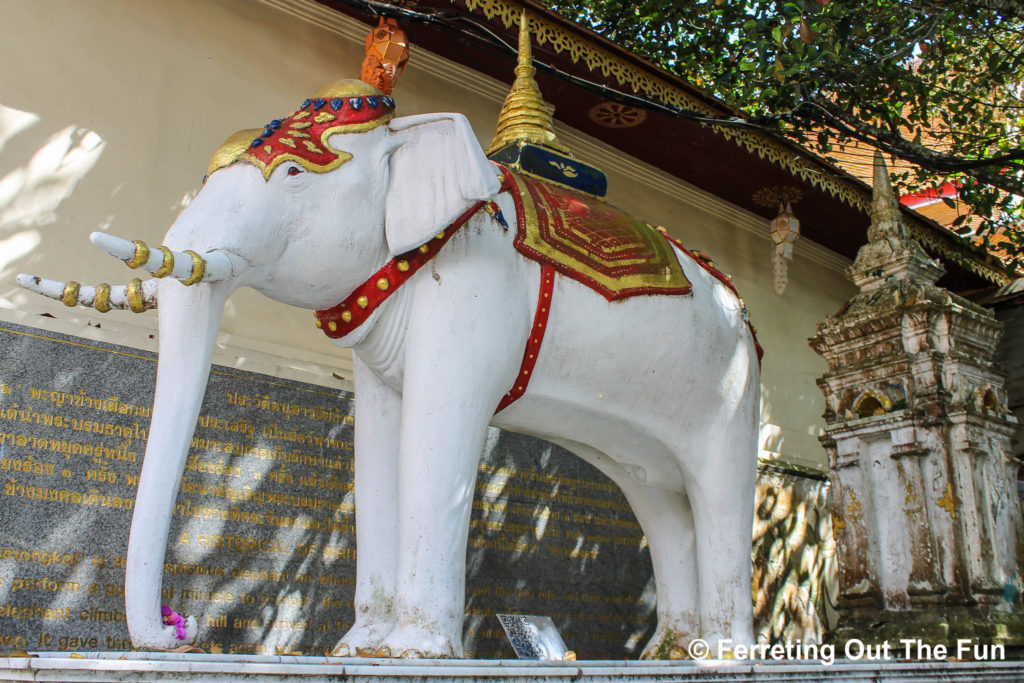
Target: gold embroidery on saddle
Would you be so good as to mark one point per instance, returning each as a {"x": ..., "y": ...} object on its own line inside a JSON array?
[{"x": 594, "y": 243}]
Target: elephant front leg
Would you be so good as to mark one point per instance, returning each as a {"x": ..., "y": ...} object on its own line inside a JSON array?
[
  {"x": 437, "y": 478},
  {"x": 378, "y": 416},
  {"x": 442, "y": 438}
]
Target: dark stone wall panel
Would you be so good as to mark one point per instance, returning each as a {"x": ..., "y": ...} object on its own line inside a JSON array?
[{"x": 262, "y": 545}]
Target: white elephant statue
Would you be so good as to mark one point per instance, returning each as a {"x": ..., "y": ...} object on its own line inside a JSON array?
[{"x": 342, "y": 202}]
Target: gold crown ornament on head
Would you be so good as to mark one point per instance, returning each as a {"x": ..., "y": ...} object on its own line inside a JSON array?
[{"x": 345, "y": 106}]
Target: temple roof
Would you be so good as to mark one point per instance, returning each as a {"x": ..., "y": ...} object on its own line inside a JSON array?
[{"x": 576, "y": 69}]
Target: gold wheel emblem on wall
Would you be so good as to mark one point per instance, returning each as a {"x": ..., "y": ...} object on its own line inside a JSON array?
[{"x": 616, "y": 115}]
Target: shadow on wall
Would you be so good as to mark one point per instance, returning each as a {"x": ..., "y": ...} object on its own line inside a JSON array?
[
  {"x": 280, "y": 550},
  {"x": 263, "y": 580},
  {"x": 32, "y": 191},
  {"x": 795, "y": 584}
]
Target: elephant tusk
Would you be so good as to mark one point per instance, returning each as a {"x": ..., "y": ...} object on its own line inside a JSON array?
[
  {"x": 136, "y": 296},
  {"x": 187, "y": 266}
]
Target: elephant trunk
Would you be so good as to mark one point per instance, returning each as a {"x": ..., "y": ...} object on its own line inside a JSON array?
[{"x": 189, "y": 321}]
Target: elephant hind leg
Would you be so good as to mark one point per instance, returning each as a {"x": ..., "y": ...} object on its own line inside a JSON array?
[
  {"x": 721, "y": 494},
  {"x": 666, "y": 520}
]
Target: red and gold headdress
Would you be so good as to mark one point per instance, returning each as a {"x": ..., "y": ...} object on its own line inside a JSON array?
[{"x": 345, "y": 106}]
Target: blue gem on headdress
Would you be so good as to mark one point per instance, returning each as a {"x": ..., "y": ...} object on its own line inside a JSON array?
[
  {"x": 306, "y": 104},
  {"x": 337, "y": 103},
  {"x": 356, "y": 103},
  {"x": 256, "y": 143},
  {"x": 319, "y": 102},
  {"x": 267, "y": 132},
  {"x": 388, "y": 102},
  {"x": 275, "y": 124},
  {"x": 372, "y": 101}
]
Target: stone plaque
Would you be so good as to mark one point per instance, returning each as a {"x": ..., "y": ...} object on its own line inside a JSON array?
[{"x": 262, "y": 546}]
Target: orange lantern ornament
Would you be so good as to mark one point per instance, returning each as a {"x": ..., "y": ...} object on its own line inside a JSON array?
[{"x": 387, "y": 51}]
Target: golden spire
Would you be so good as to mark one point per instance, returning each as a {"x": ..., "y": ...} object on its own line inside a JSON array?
[{"x": 523, "y": 116}]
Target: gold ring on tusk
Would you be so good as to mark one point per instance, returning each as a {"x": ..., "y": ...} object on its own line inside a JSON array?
[
  {"x": 135, "y": 301},
  {"x": 70, "y": 295},
  {"x": 141, "y": 255},
  {"x": 101, "y": 302},
  {"x": 168, "y": 265},
  {"x": 198, "y": 269}
]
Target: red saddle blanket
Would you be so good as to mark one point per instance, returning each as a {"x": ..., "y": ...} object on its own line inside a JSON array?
[{"x": 594, "y": 243}]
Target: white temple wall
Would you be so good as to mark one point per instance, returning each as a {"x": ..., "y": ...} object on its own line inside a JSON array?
[{"x": 110, "y": 111}]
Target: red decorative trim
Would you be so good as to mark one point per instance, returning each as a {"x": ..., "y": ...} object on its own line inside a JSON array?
[
  {"x": 359, "y": 305},
  {"x": 344, "y": 318},
  {"x": 540, "y": 325},
  {"x": 302, "y": 136}
]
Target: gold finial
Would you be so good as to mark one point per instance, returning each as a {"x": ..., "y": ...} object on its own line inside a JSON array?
[{"x": 523, "y": 116}]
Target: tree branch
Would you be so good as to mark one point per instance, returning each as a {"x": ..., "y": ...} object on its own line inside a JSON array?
[{"x": 987, "y": 171}]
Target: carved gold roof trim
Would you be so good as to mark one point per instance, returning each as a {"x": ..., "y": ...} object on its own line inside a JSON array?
[
  {"x": 596, "y": 58},
  {"x": 642, "y": 81},
  {"x": 953, "y": 250}
]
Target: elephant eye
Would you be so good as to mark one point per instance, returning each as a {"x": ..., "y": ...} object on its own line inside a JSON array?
[{"x": 294, "y": 170}]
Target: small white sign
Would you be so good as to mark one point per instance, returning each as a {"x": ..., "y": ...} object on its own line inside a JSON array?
[{"x": 535, "y": 638}]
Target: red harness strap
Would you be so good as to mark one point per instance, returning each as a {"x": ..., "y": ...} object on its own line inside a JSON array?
[
  {"x": 540, "y": 325},
  {"x": 344, "y": 318},
  {"x": 360, "y": 304}
]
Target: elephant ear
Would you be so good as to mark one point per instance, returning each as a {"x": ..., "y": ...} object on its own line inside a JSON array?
[{"x": 437, "y": 171}]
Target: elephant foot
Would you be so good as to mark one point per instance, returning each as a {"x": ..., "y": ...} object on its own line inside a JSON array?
[
  {"x": 669, "y": 643},
  {"x": 363, "y": 640},
  {"x": 408, "y": 642},
  {"x": 165, "y": 637}
]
